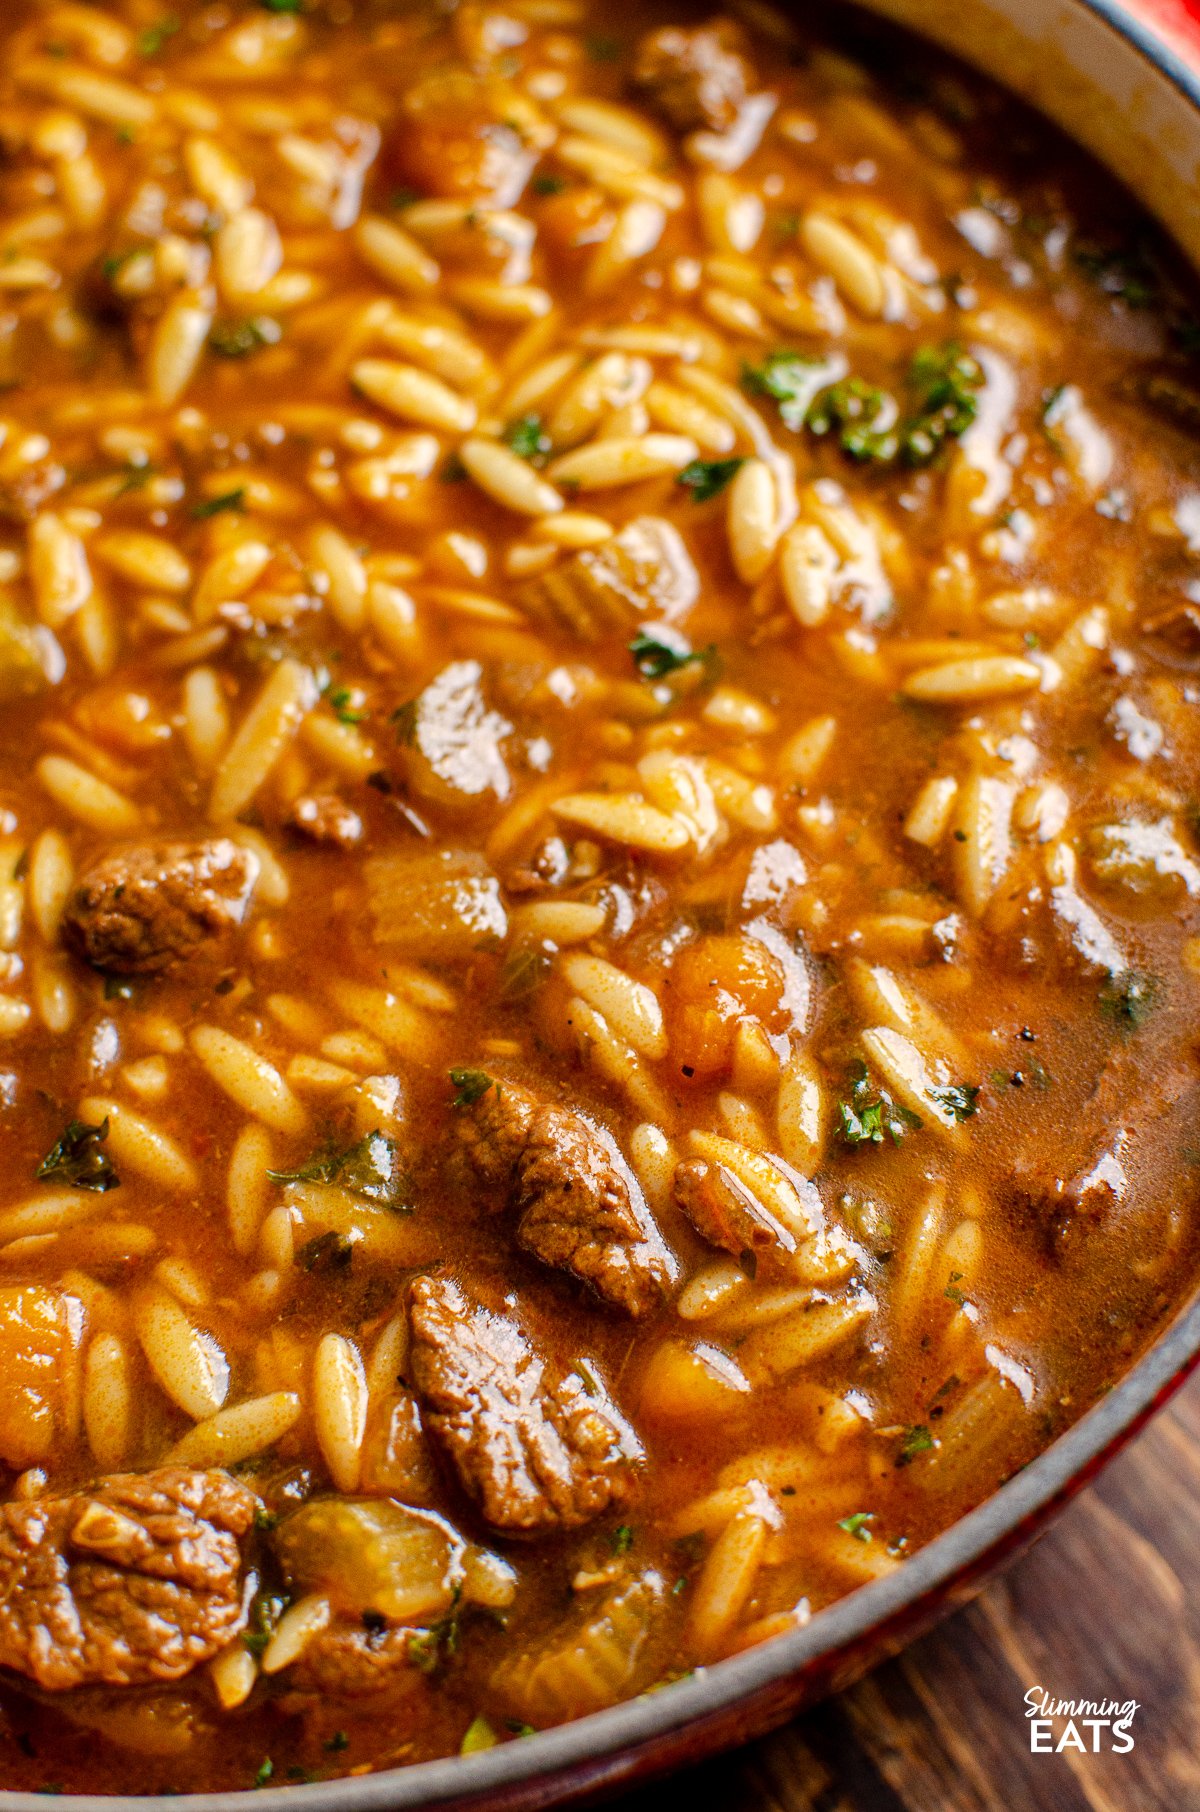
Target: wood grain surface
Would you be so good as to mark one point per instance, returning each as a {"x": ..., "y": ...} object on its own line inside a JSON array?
[{"x": 1106, "y": 1606}]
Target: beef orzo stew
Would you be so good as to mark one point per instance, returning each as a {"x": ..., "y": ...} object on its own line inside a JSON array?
[{"x": 599, "y": 641}]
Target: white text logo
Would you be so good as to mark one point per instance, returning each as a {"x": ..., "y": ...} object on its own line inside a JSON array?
[{"x": 1107, "y": 1720}]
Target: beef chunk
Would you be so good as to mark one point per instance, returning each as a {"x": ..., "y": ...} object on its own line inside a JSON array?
[
  {"x": 350, "y": 1661},
  {"x": 144, "y": 907},
  {"x": 578, "y": 1204},
  {"x": 604, "y": 591},
  {"x": 535, "y": 1445},
  {"x": 463, "y": 134},
  {"x": 137, "y": 1581},
  {"x": 723, "y": 1212},
  {"x": 493, "y": 1132},
  {"x": 1105, "y": 1154},
  {"x": 324, "y": 818},
  {"x": 697, "y": 79}
]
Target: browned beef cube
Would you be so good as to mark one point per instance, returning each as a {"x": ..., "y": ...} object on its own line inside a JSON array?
[
  {"x": 538, "y": 1446},
  {"x": 137, "y": 1581},
  {"x": 144, "y": 907}
]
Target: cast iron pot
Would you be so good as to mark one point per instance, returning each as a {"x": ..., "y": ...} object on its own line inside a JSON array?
[{"x": 1134, "y": 103}]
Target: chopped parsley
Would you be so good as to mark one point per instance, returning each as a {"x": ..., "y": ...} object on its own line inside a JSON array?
[
  {"x": 526, "y": 439},
  {"x": 622, "y": 1539},
  {"x": 952, "y": 1293},
  {"x": 871, "y": 1115},
  {"x": 518, "y": 1729},
  {"x": 265, "y": 1520},
  {"x": 452, "y": 470},
  {"x": 548, "y": 185},
  {"x": 917, "y": 1439},
  {"x": 282, "y": 6},
  {"x": 860, "y": 415},
  {"x": 945, "y": 379},
  {"x": 337, "y": 1742},
  {"x": 471, "y": 1085},
  {"x": 266, "y": 1769},
  {"x": 112, "y": 266},
  {"x": 77, "y": 1157},
  {"x": 793, "y": 379},
  {"x": 428, "y": 1648},
  {"x": 706, "y": 478},
  {"x": 868, "y": 423},
  {"x": 1129, "y": 999},
  {"x": 1123, "y": 272},
  {"x": 265, "y": 1611},
  {"x": 856, "y": 1525},
  {"x": 325, "y": 1252},
  {"x": 235, "y": 339},
  {"x": 215, "y": 506},
  {"x": 961, "y": 1100},
  {"x": 151, "y": 41},
  {"x": 370, "y": 1168},
  {"x": 659, "y": 651},
  {"x": 343, "y": 702}
]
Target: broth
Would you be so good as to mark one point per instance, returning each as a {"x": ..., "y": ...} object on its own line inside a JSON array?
[{"x": 598, "y": 852}]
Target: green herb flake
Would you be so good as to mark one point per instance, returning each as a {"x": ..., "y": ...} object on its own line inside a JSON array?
[
  {"x": 621, "y": 1539},
  {"x": 871, "y": 1115},
  {"x": 265, "y": 1611},
  {"x": 337, "y": 1742},
  {"x": 1123, "y": 272},
  {"x": 265, "y": 1770},
  {"x": 526, "y": 439},
  {"x": 1130, "y": 998},
  {"x": 427, "y": 1649},
  {"x": 370, "y": 1168},
  {"x": 345, "y": 703},
  {"x": 236, "y": 339},
  {"x": 792, "y": 379},
  {"x": 952, "y": 1293},
  {"x": 706, "y": 478},
  {"x": 861, "y": 417},
  {"x": 452, "y": 470},
  {"x": 518, "y": 1729},
  {"x": 152, "y": 40},
  {"x": 856, "y": 1525},
  {"x": 917, "y": 1439},
  {"x": 961, "y": 1100},
  {"x": 216, "y": 506},
  {"x": 471, "y": 1086},
  {"x": 548, "y": 185},
  {"x": 112, "y": 266},
  {"x": 479, "y": 1736},
  {"x": 659, "y": 651},
  {"x": 282, "y": 6},
  {"x": 265, "y": 1520},
  {"x": 945, "y": 379},
  {"x": 77, "y": 1158}
]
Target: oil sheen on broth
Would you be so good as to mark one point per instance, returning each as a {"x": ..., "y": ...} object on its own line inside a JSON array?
[{"x": 599, "y": 634}]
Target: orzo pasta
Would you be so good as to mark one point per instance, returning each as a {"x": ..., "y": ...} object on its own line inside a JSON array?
[{"x": 599, "y": 858}]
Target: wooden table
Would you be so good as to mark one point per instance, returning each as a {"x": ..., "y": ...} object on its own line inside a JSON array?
[{"x": 1106, "y": 1606}]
